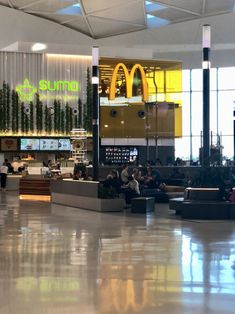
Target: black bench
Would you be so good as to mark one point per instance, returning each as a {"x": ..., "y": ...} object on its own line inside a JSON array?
[
  {"x": 203, "y": 209},
  {"x": 142, "y": 204},
  {"x": 158, "y": 195}
]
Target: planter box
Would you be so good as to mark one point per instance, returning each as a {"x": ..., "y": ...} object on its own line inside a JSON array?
[{"x": 83, "y": 195}]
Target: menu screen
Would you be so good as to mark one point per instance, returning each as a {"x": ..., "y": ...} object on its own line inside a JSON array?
[
  {"x": 64, "y": 144},
  {"x": 121, "y": 154},
  {"x": 29, "y": 144},
  {"x": 48, "y": 144}
]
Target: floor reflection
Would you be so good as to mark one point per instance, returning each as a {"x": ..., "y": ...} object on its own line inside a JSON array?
[{"x": 58, "y": 260}]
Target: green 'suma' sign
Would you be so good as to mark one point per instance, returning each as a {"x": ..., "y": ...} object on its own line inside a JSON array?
[{"x": 27, "y": 91}]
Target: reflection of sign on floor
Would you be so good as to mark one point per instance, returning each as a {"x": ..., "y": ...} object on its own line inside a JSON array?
[{"x": 8, "y": 144}]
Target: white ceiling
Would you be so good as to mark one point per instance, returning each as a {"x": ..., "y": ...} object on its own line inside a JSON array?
[{"x": 105, "y": 18}]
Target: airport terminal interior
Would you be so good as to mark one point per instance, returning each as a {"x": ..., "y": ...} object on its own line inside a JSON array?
[{"x": 117, "y": 156}]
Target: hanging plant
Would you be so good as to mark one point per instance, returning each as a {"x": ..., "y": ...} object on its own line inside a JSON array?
[
  {"x": 39, "y": 114},
  {"x": 13, "y": 111},
  {"x": 8, "y": 105},
  {"x": 1, "y": 111},
  {"x": 17, "y": 112},
  {"x": 49, "y": 119},
  {"x": 55, "y": 120},
  {"x": 46, "y": 118},
  {"x": 22, "y": 118},
  {"x": 4, "y": 100},
  {"x": 70, "y": 118},
  {"x": 88, "y": 115},
  {"x": 31, "y": 119},
  {"x": 67, "y": 118},
  {"x": 26, "y": 114},
  {"x": 62, "y": 118},
  {"x": 80, "y": 120}
]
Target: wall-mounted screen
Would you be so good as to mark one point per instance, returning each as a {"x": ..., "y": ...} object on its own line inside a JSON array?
[
  {"x": 120, "y": 154},
  {"x": 48, "y": 144},
  {"x": 64, "y": 144},
  {"x": 29, "y": 144}
]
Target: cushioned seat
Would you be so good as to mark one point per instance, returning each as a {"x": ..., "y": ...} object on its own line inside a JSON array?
[{"x": 142, "y": 204}]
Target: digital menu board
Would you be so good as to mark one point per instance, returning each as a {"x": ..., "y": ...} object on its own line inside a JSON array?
[
  {"x": 48, "y": 144},
  {"x": 123, "y": 154},
  {"x": 29, "y": 144},
  {"x": 64, "y": 144}
]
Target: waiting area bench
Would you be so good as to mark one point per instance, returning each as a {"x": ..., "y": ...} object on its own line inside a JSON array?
[
  {"x": 202, "y": 203},
  {"x": 142, "y": 204}
]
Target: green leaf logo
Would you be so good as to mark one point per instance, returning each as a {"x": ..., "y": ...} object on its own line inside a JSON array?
[{"x": 26, "y": 91}]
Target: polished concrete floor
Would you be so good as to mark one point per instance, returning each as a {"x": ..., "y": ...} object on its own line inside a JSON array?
[{"x": 61, "y": 260}]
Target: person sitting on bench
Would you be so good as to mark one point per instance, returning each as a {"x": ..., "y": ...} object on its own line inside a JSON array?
[{"x": 132, "y": 189}]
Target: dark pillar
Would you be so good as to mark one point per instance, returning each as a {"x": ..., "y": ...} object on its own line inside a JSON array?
[
  {"x": 95, "y": 112},
  {"x": 206, "y": 96}
]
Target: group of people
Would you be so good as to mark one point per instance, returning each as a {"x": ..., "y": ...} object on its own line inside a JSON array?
[
  {"x": 48, "y": 167},
  {"x": 132, "y": 182}
]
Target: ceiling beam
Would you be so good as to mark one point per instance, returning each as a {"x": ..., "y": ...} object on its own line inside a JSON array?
[
  {"x": 10, "y": 4},
  {"x": 30, "y": 4},
  {"x": 110, "y": 7},
  {"x": 71, "y": 20},
  {"x": 203, "y": 7},
  {"x": 86, "y": 20},
  {"x": 118, "y": 21},
  {"x": 40, "y": 12},
  {"x": 179, "y": 8}
]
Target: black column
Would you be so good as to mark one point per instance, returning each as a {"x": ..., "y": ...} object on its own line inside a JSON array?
[
  {"x": 233, "y": 135},
  {"x": 206, "y": 108},
  {"x": 95, "y": 122}
]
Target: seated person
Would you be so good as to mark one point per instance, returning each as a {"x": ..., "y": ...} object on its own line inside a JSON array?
[
  {"x": 124, "y": 174},
  {"x": 113, "y": 181},
  {"x": 154, "y": 180},
  {"x": 177, "y": 174},
  {"x": 8, "y": 164},
  {"x": 136, "y": 174},
  {"x": 45, "y": 171},
  {"x": 225, "y": 189},
  {"x": 132, "y": 189}
]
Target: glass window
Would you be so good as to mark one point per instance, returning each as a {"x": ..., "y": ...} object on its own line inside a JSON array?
[
  {"x": 213, "y": 112},
  {"x": 226, "y": 78},
  {"x": 197, "y": 80},
  {"x": 186, "y": 80},
  {"x": 182, "y": 147},
  {"x": 186, "y": 113},
  {"x": 196, "y": 144},
  {"x": 225, "y": 113},
  {"x": 213, "y": 79},
  {"x": 197, "y": 113}
]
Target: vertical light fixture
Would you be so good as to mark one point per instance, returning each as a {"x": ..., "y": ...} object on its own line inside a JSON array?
[
  {"x": 206, "y": 44},
  {"x": 95, "y": 111}
]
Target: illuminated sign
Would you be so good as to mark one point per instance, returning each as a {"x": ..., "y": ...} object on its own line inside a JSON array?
[
  {"x": 58, "y": 86},
  {"x": 129, "y": 81},
  {"x": 27, "y": 91}
]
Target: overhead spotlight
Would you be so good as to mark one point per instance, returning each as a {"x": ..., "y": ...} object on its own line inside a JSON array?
[
  {"x": 39, "y": 47},
  {"x": 113, "y": 113},
  {"x": 141, "y": 114}
]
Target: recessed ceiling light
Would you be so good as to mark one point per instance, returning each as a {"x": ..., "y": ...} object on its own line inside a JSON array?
[{"x": 38, "y": 47}]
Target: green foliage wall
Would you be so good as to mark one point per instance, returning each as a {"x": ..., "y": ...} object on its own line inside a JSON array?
[{"x": 35, "y": 118}]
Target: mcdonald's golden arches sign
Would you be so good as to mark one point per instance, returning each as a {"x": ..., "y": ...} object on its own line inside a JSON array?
[{"x": 129, "y": 77}]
